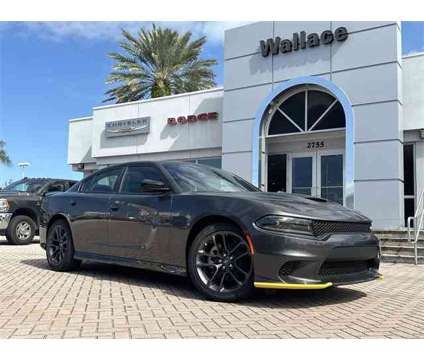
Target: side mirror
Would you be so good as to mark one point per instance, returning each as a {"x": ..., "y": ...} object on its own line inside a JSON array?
[{"x": 154, "y": 186}]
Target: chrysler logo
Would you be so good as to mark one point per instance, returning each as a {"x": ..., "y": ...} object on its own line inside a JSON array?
[{"x": 127, "y": 127}]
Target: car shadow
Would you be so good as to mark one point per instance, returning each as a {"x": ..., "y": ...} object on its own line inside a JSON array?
[
  {"x": 4, "y": 242},
  {"x": 181, "y": 286}
]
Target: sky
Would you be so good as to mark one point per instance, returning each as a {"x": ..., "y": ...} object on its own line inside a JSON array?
[{"x": 51, "y": 72}]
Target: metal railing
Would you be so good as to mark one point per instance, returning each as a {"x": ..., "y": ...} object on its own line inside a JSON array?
[{"x": 415, "y": 230}]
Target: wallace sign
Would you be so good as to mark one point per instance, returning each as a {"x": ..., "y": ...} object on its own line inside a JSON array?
[{"x": 302, "y": 41}]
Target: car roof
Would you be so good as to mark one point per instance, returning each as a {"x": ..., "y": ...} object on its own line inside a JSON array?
[
  {"x": 144, "y": 162},
  {"x": 46, "y": 179}
]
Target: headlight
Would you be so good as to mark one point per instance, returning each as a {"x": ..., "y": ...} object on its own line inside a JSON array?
[
  {"x": 4, "y": 205},
  {"x": 285, "y": 224}
]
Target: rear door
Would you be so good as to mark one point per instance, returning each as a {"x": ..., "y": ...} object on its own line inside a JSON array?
[
  {"x": 139, "y": 220},
  {"x": 90, "y": 211}
]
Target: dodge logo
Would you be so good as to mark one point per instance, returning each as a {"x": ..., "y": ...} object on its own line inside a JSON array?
[{"x": 192, "y": 118}]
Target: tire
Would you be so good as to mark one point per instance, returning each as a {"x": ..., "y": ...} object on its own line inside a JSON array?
[
  {"x": 9, "y": 240},
  {"x": 21, "y": 230},
  {"x": 220, "y": 264},
  {"x": 60, "y": 247}
]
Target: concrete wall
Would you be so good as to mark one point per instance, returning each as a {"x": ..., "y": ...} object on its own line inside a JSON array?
[
  {"x": 367, "y": 67},
  {"x": 162, "y": 137},
  {"x": 88, "y": 144},
  {"x": 413, "y": 91},
  {"x": 80, "y": 140}
]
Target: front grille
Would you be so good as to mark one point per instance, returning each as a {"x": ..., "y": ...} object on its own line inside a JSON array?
[
  {"x": 330, "y": 268},
  {"x": 330, "y": 227}
]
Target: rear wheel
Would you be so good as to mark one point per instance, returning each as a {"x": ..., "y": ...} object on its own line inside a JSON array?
[
  {"x": 21, "y": 230},
  {"x": 220, "y": 264},
  {"x": 60, "y": 248}
]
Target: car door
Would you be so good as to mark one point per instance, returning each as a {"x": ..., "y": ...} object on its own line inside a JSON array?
[
  {"x": 139, "y": 220},
  {"x": 90, "y": 211}
]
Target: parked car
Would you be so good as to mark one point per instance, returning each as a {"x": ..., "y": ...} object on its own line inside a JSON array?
[
  {"x": 20, "y": 207},
  {"x": 228, "y": 236}
]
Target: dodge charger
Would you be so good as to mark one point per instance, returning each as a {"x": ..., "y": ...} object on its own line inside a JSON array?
[{"x": 222, "y": 232}]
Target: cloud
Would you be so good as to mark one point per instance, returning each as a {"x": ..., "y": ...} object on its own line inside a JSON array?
[{"x": 111, "y": 30}]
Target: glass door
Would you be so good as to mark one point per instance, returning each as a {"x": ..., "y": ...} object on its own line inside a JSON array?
[
  {"x": 330, "y": 175},
  {"x": 302, "y": 174},
  {"x": 317, "y": 173}
]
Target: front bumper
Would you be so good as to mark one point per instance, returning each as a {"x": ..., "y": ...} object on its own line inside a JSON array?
[
  {"x": 43, "y": 236},
  {"x": 4, "y": 221},
  {"x": 295, "y": 262}
]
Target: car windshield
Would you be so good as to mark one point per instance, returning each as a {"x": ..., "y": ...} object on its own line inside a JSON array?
[
  {"x": 198, "y": 178},
  {"x": 26, "y": 185}
]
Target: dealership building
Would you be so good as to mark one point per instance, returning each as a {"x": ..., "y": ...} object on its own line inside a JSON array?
[{"x": 328, "y": 109}]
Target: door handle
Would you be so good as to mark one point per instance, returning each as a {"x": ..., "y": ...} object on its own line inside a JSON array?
[{"x": 73, "y": 203}]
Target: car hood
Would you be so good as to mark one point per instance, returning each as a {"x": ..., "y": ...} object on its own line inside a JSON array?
[{"x": 302, "y": 206}]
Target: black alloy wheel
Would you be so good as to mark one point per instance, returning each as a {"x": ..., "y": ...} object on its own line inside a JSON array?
[
  {"x": 59, "y": 247},
  {"x": 221, "y": 264}
]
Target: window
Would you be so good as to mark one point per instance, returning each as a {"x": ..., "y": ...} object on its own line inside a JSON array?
[
  {"x": 306, "y": 110},
  {"x": 214, "y": 162},
  {"x": 27, "y": 185},
  {"x": 192, "y": 177},
  {"x": 58, "y": 186},
  {"x": 332, "y": 177},
  {"x": 409, "y": 181},
  {"x": 104, "y": 182},
  {"x": 277, "y": 172},
  {"x": 136, "y": 175},
  {"x": 70, "y": 184},
  {"x": 74, "y": 187},
  {"x": 408, "y": 169}
]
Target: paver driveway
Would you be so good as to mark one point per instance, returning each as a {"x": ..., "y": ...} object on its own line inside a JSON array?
[{"x": 103, "y": 301}]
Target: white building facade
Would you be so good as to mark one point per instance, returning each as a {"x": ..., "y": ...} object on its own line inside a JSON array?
[{"x": 328, "y": 109}]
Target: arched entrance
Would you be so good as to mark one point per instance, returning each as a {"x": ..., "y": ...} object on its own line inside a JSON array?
[{"x": 304, "y": 141}]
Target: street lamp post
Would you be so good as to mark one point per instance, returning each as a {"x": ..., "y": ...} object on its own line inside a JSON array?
[{"x": 23, "y": 165}]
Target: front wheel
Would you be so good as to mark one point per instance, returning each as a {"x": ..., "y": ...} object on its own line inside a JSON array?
[
  {"x": 220, "y": 264},
  {"x": 60, "y": 248}
]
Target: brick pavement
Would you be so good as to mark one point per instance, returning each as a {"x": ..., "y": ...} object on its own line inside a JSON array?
[{"x": 104, "y": 301}]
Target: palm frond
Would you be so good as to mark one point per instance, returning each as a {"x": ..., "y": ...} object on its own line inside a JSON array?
[
  {"x": 4, "y": 158},
  {"x": 158, "y": 62}
]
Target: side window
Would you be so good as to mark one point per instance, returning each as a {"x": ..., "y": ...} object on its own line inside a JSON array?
[
  {"x": 104, "y": 182},
  {"x": 73, "y": 187},
  {"x": 135, "y": 175},
  {"x": 57, "y": 186},
  {"x": 69, "y": 184}
]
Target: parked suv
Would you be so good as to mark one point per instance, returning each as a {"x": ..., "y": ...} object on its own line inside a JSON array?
[{"x": 20, "y": 207}]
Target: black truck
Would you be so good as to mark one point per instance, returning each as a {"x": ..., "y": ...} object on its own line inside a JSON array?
[{"x": 20, "y": 207}]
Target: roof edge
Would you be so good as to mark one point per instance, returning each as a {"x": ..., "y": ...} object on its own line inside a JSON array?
[
  {"x": 86, "y": 118},
  {"x": 215, "y": 89}
]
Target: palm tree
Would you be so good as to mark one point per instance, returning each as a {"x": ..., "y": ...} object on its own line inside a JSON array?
[
  {"x": 158, "y": 62},
  {"x": 4, "y": 158}
]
